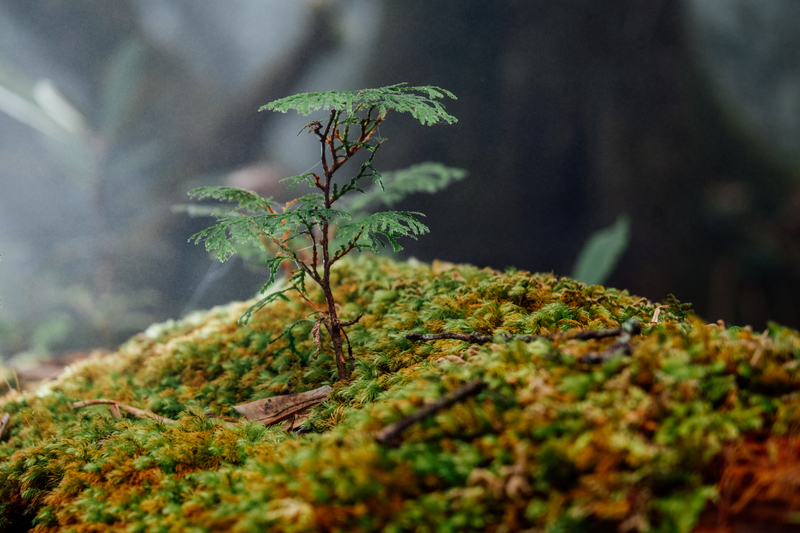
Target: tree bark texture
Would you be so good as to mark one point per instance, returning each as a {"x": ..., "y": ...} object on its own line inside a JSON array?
[{"x": 571, "y": 113}]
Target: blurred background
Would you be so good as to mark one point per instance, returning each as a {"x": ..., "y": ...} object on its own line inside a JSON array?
[{"x": 681, "y": 115}]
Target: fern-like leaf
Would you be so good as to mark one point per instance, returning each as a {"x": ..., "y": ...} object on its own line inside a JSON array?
[
  {"x": 395, "y": 186},
  {"x": 194, "y": 210},
  {"x": 217, "y": 241},
  {"x": 297, "y": 283},
  {"x": 308, "y": 177},
  {"x": 390, "y": 224},
  {"x": 420, "y": 102},
  {"x": 243, "y": 198},
  {"x": 262, "y": 303}
]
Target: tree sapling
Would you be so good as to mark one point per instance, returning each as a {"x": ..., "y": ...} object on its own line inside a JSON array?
[{"x": 307, "y": 231}]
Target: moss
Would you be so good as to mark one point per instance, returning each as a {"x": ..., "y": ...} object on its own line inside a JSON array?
[{"x": 637, "y": 442}]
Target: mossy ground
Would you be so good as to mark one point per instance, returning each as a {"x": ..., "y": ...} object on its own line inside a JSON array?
[{"x": 638, "y": 443}]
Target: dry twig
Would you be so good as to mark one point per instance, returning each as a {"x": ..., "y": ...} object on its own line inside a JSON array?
[
  {"x": 4, "y": 423},
  {"x": 479, "y": 338},
  {"x": 621, "y": 345},
  {"x": 127, "y": 408},
  {"x": 390, "y": 433}
]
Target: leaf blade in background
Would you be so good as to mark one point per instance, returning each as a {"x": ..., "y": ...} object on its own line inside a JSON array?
[
  {"x": 121, "y": 82},
  {"x": 599, "y": 256},
  {"x": 59, "y": 109}
]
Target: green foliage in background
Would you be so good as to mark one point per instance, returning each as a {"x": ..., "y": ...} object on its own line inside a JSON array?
[
  {"x": 69, "y": 305},
  {"x": 310, "y": 234},
  {"x": 601, "y": 252},
  {"x": 549, "y": 445}
]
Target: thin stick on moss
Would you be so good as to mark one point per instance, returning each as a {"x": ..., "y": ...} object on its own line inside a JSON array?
[
  {"x": 127, "y": 408},
  {"x": 479, "y": 338},
  {"x": 4, "y": 423},
  {"x": 621, "y": 345},
  {"x": 390, "y": 433}
]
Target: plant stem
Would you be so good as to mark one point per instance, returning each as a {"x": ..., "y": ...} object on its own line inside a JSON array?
[
  {"x": 327, "y": 138},
  {"x": 332, "y": 323}
]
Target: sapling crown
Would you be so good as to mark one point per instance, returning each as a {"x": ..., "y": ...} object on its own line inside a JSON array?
[{"x": 308, "y": 231}]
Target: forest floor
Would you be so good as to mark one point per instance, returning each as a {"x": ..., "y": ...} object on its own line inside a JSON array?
[{"x": 655, "y": 421}]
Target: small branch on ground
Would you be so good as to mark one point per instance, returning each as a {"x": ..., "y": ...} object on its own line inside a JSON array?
[
  {"x": 4, "y": 423},
  {"x": 479, "y": 338},
  {"x": 389, "y": 435},
  {"x": 127, "y": 408},
  {"x": 621, "y": 345}
]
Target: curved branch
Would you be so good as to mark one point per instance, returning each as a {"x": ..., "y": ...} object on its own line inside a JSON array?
[
  {"x": 119, "y": 405},
  {"x": 391, "y": 433},
  {"x": 307, "y": 269},
  {"x": 347, "y": 250},
  {"x": 629, "y": 328}
]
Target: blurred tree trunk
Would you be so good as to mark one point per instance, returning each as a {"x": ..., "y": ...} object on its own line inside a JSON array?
[{"x": 583, "y": 110}]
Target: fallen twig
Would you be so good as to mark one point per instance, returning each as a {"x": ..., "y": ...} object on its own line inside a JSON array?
[
  {"x": 621, "y": 345},
  {"x": 624, "y": 333},
  {"x": 4, "y": 423},
  {"x": 657, "y": 312},
  {"x": 267, "y": 410},
  {"x": 479, "y": 338},
  {"x": 127, "y": 408},
  {"x": 391, "y": 432}
]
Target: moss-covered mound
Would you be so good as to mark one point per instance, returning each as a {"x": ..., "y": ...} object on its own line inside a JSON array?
[{"x": 643, "y": 442}]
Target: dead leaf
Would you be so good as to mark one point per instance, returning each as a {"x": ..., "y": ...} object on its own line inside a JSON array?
[{"x": 278, "y": 408}]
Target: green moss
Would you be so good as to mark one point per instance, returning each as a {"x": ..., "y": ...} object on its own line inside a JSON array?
[{"x": 549, "y": 444}]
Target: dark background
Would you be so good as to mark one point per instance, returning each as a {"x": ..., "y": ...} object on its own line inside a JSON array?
[{"x": 684, "y": 115}]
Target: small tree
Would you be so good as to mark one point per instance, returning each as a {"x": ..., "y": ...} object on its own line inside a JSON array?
[{"x": 308, "y": 232}]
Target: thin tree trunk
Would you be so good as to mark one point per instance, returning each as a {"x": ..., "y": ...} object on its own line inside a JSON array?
[{"x": 335, "y": 329}]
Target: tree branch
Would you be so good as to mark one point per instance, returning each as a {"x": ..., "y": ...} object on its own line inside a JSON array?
[
  {"x": 314, "y": 257},
  {"x": 127, "y": 408},
  {"x": 632, "y": 327},
  {"x": 4, "y": 423},
  {"x": 347, "y": 250},
  {"x": 390, "y": 433},
  {"x": 332, "y": 143},
  {"x": 621, "y": 345}
]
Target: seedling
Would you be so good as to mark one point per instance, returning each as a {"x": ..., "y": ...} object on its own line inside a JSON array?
[{"x": 307, "y": 231}]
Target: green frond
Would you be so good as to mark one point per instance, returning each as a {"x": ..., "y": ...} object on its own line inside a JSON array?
[
  {"x": 313, "y": 198},
  {"x": 220, "y": 238},
  {"x": 243, "y": 198},
  {"x": 268, "y": 299},
  {"x": 232, "y": 228},
  {"x": 426, "y": 177},
  {"x": 194, "y": 210},
  {"x": 390, "y": 224},
  {"x": 423, "y": 107},
  {"x": 308, "y": 177},
  {"x": 367, "y": 170}
]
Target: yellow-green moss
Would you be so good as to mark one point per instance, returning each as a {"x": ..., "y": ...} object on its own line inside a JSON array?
[{"x": 549, "y": 444}]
